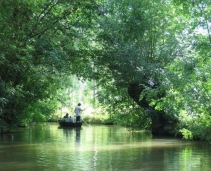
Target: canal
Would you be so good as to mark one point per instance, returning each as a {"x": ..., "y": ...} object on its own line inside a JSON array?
[{"x": 47, "y": 147}]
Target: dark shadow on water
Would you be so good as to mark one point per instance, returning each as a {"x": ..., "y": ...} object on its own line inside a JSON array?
[
  {"x": 77, "y": 135},
  {"x": 67, "y": 131}
]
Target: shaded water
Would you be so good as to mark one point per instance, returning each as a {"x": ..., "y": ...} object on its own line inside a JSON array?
[{"x": 98, "y": 148}]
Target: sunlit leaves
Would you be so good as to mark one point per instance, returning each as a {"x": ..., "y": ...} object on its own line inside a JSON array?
[{"x": 33, "y": 54}]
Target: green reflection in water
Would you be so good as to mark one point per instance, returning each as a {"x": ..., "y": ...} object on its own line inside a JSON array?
[{"x": 102, "y": 148}]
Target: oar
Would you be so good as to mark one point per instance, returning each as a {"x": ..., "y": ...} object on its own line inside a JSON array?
[
  {"x": 82, "y": 118},
  {"x": 84, "y": 121}
]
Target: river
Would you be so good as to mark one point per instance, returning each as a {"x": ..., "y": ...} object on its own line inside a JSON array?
[{"x": 46, "y": 147}]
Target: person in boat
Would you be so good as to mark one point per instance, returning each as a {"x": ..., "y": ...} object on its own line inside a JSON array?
[
  {"x": 67, "y": 115},
  {"x": 78, "y": 112},
  {"x": 70, "y": 119},
  {"x": 67, "y": 118}
]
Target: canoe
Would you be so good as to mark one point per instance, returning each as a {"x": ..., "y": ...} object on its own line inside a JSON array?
[{"x": 69, "y": 124}]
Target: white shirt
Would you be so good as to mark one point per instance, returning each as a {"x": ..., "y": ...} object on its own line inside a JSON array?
[{"x": 78, "y": 110}]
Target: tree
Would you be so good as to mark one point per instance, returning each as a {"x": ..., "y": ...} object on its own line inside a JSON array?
[
  {"x": 38, "y": 44},
  {"x": 132, "y": 51}
]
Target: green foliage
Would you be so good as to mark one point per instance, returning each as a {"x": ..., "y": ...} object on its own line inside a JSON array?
[
  {"x": 132, "y": 118},
  {"x": 33, "y": 58},
  {"x": 186, "y": 134},
  {"x": 198, "y": 126}
]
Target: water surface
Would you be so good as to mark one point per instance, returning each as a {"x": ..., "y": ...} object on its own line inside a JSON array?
[{"x": 47, "y": 147}]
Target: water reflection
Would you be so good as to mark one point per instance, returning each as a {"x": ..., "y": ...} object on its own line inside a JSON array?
[
  {"x": 98, "y": 148},
  {"x": 9, "y": 138},
  {"x": 67, "y": 132},
  {"x": 77, "y": 135}
]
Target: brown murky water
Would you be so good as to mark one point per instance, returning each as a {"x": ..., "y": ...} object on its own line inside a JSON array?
[{"x": 47, "y": 147}]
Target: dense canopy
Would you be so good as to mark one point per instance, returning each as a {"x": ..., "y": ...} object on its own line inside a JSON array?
[{"x": 148, "y": 62}]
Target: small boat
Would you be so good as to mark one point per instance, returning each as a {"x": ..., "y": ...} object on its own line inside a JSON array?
[{"x": 62, "y": 123}]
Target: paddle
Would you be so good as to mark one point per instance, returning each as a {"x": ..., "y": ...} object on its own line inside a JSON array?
[
  {"x": 82, "y": 118},
  {"x": 84, "y": 121}
]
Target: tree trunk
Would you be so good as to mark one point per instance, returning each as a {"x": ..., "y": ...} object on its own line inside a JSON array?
[{"x": 159, "y": 121}]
